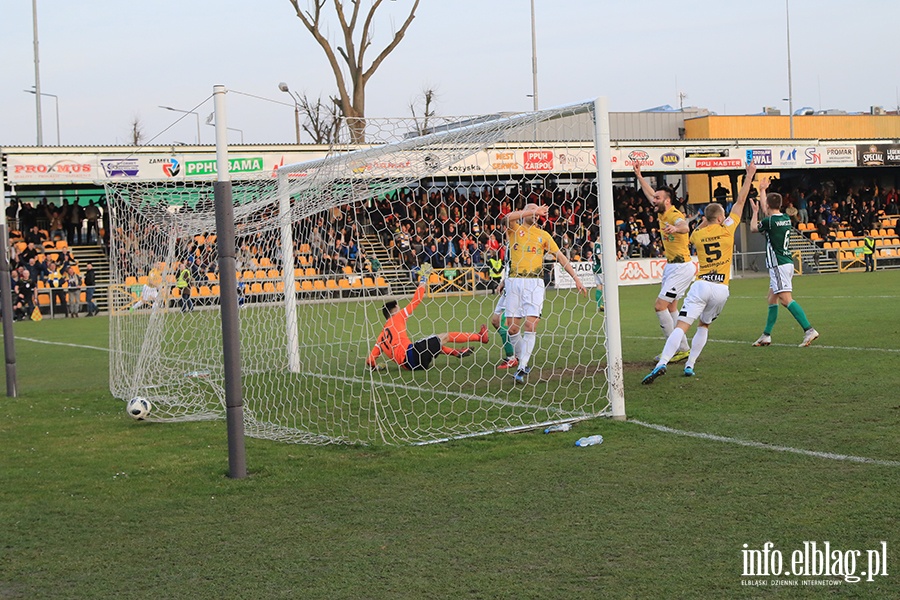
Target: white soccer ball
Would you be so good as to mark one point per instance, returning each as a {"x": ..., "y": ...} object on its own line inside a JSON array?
[{"x": 139, "y": 408}]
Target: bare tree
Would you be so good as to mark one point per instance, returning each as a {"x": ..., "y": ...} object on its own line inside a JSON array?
[
  {"x": 352, "y": 102},
  {"x": 323, "y": 119},
  {"x": 137, "y": 131},
  {"x": 428, "y": 97}
]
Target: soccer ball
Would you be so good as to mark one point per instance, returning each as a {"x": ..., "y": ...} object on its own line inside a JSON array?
[{"x": 139, "y": 408}]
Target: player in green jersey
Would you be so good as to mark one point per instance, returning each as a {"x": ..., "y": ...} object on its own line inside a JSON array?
[
  {"x": 598, "y": 274},
  {"x": 776, "y": 226}
]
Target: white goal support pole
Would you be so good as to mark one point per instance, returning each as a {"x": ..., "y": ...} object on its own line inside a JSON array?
[
  {"x": 287, "y": 274},
  {"x": 614, "y": 374},
  {"x": 231, "y": 331}
]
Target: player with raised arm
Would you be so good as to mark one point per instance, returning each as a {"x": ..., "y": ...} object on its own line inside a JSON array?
[
  {"x": 714, "y": 241},
  {"x": 394, "y": 342},
  {"x": 679, "y": 270},
  {"x": 525, "y": 285},
  {"x": 777, "y": 229}
]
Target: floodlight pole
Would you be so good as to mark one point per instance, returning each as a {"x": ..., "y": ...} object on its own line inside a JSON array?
[
  {"x": 787, "y": 14},
  {"x": 231, "y": 331},
  {"x": 534, "y": 77},
  {"x": 614, "y": 373},
  {"x": 37, "y": 76},
  {"x": 9, "y": 340}
]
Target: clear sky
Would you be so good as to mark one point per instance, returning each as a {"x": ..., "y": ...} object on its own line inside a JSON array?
[{"x": 111, "y": 61}]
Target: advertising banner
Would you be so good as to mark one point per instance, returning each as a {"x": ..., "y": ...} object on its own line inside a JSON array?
[
  {"x": 633, "y": 271},
  {"x": 53, "y": 168},
  {"x": 878, "y": 155}
]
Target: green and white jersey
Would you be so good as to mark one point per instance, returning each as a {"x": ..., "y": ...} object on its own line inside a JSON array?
[
  {"x": 598, "y": 265},
  {"x": 777, "y": 229}
]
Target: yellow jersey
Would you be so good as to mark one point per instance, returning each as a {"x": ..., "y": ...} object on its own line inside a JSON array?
[
  {"x": 527, "y": 246},
  {"x": 715, "y": 246},
  {"x": 675, "y": 244}
]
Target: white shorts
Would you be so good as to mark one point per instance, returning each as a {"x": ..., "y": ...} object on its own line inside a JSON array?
[
  {"x": 676, "y": 279},
  {"x": 501, "y": 301},
  {"x": 598, "y": 279},
  {"x": 780, "y": 278},
  {"x": 148, "y": 293},
  {"x": 704, "y": 300},
  {"x": 524, "y": 297}
]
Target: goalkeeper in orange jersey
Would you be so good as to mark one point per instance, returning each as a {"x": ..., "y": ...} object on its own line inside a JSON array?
[{"x": 394, "y": 343}]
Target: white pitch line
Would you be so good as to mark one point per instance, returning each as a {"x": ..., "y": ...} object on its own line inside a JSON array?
[
  {"x": 62, "y": 344},
  {"x": 763, "y": 297},
  {"x": 851, "y": 348},
  {"x": 764, "y": 446}
]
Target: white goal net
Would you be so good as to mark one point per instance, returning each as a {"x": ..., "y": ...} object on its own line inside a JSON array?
[{"x": 322, "y": 246}]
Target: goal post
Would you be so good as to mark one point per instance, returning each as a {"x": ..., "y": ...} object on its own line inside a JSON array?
[
  {"x": 320, "y": 248},
  {"x": 614, "y": 369}
]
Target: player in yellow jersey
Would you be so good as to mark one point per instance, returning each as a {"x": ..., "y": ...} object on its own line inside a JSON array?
[
  {"x": 525, "y": 284},
  {"x": 714, "y": 241},
  {"x": 679, "y": 270},
  {"x": 149, "y": 291}
]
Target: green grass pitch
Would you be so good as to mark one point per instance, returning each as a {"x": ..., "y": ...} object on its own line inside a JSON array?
[{"x": 791, "y": 445}]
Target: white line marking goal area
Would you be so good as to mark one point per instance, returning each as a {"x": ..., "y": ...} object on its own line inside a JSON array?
[{"x": 764, "y": 446}]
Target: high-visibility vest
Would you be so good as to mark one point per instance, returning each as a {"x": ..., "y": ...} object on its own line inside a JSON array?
[
  {"x": 869, "y": 245},
  {"x": 184, "y": 276},
  {"x": 496, "y": 268}
]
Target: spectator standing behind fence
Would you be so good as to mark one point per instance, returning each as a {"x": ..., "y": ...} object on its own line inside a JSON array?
[
  {"x": 92, "y": 214},
  {"x": 183, "y": 283},
  {"x": 73, "y": 281},
  {"x": 55, "y": 279},
  {"x": 90, "y": 283}
]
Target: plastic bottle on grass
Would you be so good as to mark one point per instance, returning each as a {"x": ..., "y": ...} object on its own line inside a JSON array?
[
  {"x": 592, "y": 440},
  {"x": 560, "y": 427}
]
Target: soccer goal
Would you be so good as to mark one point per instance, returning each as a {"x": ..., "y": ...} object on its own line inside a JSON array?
[{"x": 321, "y": 246}]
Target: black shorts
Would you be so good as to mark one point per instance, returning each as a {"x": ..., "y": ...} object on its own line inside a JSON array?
[{"x": 420, "y": 354}]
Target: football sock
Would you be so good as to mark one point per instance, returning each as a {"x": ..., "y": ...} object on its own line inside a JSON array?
[
  {"x": 598, "y": 296},
  {"x": 456, "y": 337},
  {"x": 528, "y": 338},
  {"x": 507, "y": 345},
  {"x": 672, "y": 343},
  {"x": 665, "y": 322},
  {"x": 697, "y": 344},
  {"x": 450, "y": 351},
  {"x": 684, "y": 345},
  {"x": 770, "y": 319},
  {"x": 517, "y": 343},
  {"x": 798, "y": 313}
]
